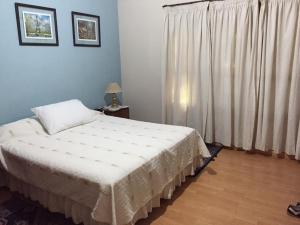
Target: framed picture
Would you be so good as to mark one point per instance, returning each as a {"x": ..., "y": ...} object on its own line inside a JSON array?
[
  {"x": 37, "y": 25},
  {"x": 86, "y": 30}
]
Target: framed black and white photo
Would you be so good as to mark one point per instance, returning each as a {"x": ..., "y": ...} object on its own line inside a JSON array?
[
  {"x": 37, "y": 25},
  {"x": 86, "y": 30}
]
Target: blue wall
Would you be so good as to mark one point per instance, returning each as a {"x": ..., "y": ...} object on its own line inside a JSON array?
[{"x": 33, "y": 76}]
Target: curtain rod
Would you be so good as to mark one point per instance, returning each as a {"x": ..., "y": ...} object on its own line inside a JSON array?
[{"x": 189, "y": 3}]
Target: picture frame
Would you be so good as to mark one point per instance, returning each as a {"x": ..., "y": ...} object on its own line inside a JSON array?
[
  {"x": 86, "y": 30},
  {"x": 37, "y": 25}
]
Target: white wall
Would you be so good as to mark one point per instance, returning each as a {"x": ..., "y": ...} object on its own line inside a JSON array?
[{"x": 141, "y": 30}]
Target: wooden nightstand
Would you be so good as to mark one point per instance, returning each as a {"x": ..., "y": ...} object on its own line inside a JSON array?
[{"x": 123, "y": 112}]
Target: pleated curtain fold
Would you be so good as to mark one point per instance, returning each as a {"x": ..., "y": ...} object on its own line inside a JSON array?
[
  {"x": 232, "y": 71},
  {"x": 234, "y": 31},
  {"x": 187, "y": 70},
  {"x": 279, "y": 78}
]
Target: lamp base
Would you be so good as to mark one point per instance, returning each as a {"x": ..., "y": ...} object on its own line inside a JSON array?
[{"x": 114, "y": 101}]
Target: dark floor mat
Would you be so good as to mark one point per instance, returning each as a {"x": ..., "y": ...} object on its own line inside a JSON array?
[{"x": 214, "y": 151}]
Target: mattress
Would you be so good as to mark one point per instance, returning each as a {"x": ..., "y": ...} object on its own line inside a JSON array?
[{"x": 113, "y": 167}]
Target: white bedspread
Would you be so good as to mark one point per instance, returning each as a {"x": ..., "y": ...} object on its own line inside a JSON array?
[{"x": 113, "y": 166}]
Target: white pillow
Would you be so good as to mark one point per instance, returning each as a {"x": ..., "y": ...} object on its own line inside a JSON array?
[{"x": 64, "y": 115}]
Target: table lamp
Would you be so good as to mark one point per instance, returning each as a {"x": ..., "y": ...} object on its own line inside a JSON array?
[{"x": 113, "y": 89}]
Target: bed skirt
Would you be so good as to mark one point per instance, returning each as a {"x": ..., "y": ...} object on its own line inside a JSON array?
[{"x": 82, "y": 214}]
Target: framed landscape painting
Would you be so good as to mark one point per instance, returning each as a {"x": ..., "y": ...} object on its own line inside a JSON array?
[
  {"x": 86, "y": 30},
  {"x": 37, "y": 25}
]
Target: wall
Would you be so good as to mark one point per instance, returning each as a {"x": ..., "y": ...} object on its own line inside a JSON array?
[
  {"x": 141, "y": 24},
  {"x": 32, "y": 76},
  {"x": 141, "y": 28}
]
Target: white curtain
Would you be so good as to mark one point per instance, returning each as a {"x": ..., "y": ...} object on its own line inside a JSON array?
[
  {"x": 234, "y": 30},
  {"x": 298, "y": 144},
  {"x": 187, "y": 68},
  {"x": 232, "y": 71},
  {"x": 278, "y": 119}
]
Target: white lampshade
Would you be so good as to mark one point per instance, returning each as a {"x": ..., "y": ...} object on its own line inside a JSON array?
[{"x": 113, "y": 88}]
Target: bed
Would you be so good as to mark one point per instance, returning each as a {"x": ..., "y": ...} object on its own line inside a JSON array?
[{"x": 109, "y": 171}]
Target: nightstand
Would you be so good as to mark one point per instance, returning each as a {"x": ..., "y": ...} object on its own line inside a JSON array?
[{"x": 123, "y": 112}]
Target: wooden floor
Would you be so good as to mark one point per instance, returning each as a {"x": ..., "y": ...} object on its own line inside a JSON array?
[{"x": 237, "y": 189}]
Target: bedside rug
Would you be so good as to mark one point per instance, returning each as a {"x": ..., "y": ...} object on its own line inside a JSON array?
[
  {"x": 20, "y": 211},
  {"x": 214, "y": 151}
]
